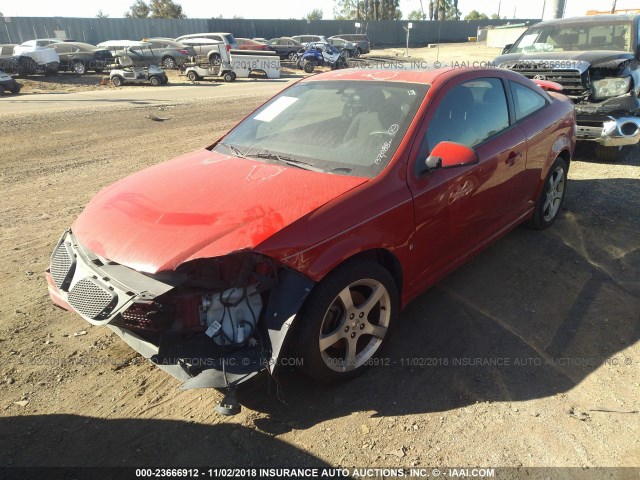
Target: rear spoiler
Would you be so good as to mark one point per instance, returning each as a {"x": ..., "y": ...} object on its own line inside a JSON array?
[{"x": 547, "y": 85}]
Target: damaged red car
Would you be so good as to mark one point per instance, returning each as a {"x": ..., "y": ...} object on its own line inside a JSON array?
[{"x": 315, "y": 220}]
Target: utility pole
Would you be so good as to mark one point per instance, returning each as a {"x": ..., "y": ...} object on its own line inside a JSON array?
[{"x": 613, "y": 7}]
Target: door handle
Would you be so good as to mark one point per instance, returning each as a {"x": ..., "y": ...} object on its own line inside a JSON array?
[{"x": 513, "y": 156}]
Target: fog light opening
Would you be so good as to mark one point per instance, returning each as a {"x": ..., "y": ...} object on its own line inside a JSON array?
[{"x": 629, "y": 129}]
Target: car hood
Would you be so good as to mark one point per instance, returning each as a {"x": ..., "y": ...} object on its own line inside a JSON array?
[
  {"x": 202, "y": 204},
  {"x": 582, "y": 60}
]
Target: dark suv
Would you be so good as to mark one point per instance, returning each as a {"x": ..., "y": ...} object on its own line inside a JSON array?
[
  {"x": 597, "y": 61},
  {"x": 360, "y": 39}
]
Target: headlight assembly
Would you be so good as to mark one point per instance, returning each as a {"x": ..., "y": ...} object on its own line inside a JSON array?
[{"x": 610, "y": 87}]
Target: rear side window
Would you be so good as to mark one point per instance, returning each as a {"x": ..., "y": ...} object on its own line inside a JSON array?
[
  {"x": 526, "y": 101},
  {"x": 230, "y": 38}
]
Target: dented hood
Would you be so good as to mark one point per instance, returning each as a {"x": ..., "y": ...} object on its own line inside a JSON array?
[{"x": 203, "y": 204}]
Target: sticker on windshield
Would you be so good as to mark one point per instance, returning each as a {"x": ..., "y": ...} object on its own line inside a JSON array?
[{"x": 275, "y": 109}]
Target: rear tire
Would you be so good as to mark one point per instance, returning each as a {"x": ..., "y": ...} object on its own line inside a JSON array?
[
  {"x": 608, "y": 154},
  {"x": 117, "y": 81},
  {"x": 345, "y": 321},
  {"x": 551, "y": 197},
  {"x": 169, "y": 62},
  {"x": 193, "y": 76},
  {"x": 79, "y": 68},
  {"x": 155, "y": 81}
]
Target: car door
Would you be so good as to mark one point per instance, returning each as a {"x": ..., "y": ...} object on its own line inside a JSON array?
[
  {"x": 457, "y": 210},
  {"x": 528, "y": 108},
  {"x": 64, "y": 53}
]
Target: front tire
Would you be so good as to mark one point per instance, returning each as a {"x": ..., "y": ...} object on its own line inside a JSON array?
[
  {"x": 550, "y": 200},
  {"x": 307, "y": 66},
  {"x": 193, "y": 76},
  {"x": 155, "y": 81},
  {"x": 117, "y": 81},
  {"x": 345, "y": 321}
]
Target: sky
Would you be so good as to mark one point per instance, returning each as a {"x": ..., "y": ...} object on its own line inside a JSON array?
[{"x": 289, "y": 8}]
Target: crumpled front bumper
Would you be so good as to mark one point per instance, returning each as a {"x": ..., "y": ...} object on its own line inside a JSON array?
[
  {"x": 100, "y": 290},
  {"x": 609, "y": 131}
]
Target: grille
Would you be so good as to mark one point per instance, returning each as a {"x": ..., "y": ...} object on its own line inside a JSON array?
[
  {"x": 571, "y": 80},
  {"x": 63, "y": 266},
  {"x": 91, "y": 299}
]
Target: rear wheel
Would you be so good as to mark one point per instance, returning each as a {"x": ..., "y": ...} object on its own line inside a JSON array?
[
  {"x": 345, "y": 321},
  {"x": 79, "y": 68},
  {"x": 608, "y": 154},
  {"x": 117, "y": 81},
  {"x": 229, "y": 77},
  {"x": 193, "y": 76},
  {"x": 551, "y": 198},
  {"x": 292, "y": 56},
  {"x": 169, "y": 62},
  {"x": 15, "y": 90},
  {"x": 155, "y": 81}
]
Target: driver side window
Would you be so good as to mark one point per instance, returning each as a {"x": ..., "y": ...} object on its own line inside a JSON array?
[{"x": 469, "y": 114}]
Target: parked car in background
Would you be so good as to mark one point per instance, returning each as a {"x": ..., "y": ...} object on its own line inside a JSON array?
[
  {"x": 350, "y": 48},
  {"x": 285, "y": 47},
  {"x": 81, "y": 57},
  {"x": 307, "y": 39},
  {"x": 8, "y": 84},
  {"x": 248, "y": 44},
  {"x": 174, "y": 54},
  {"x": 143, "y": 54},
  {"x": 222, "y": 37},
  {"x": 315, "y": 226},
  {"x": 206, "y": 49},
  {"x": 8, "y": 63},
  {"x": 34, "y": 57},
  {"x": 260, "y": 39},
  {"x": 597, "y": 61},
  {"x": 360, "y": 39}
]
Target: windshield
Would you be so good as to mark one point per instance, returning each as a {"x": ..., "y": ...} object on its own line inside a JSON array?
[
  {"x": 565, "y": 38},
  {"x": 341, "y": 127}
]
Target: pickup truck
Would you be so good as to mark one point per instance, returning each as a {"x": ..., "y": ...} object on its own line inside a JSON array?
[{"x": 597, "y": 61}]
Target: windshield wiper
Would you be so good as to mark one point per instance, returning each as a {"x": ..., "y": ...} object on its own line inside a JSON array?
[
  {"x": 287, "y": 160},
  {"x": 236, "y": 151}
]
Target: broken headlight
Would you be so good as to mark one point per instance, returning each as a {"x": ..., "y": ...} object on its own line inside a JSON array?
[{"x": 610, "y": 87}]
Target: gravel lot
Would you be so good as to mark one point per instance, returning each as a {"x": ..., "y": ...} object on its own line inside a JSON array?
[{"x": 556, "y": 313}]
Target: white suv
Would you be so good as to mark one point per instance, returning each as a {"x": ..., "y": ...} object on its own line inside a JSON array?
[{"x": 226, "y": 38}]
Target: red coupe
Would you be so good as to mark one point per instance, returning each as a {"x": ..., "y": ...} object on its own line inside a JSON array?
[{"x": 316, "y": 219}]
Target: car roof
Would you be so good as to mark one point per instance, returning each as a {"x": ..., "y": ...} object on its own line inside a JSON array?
[
  {"x": 122, "y": 43},
  {"x": 409, "y": 76},
  {"x": 590, "y": 19},
  {"x": 211, "y": 41},
  {"x": 86, "y": 46}
]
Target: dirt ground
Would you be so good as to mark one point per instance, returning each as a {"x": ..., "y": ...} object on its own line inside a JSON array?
[{"x": 527, "y": 356}]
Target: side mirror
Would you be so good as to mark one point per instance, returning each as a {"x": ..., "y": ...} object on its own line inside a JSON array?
[
  {"x": 506, "y": 48},
  {"x": 447, "y": 155}
]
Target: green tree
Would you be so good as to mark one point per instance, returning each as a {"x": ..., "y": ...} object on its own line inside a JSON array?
[
  {"x": 139, "y": 9},
  {"x": 416, "y": 15},
  {"x": 476, "y": 15},
  {"x": 101, "y": 14},
  {"x": 315, "y": 14},
  {"x": 166, "y": 9},
  {"x": 367, "y": 10},
  {"x": 495, "y": 16}
]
